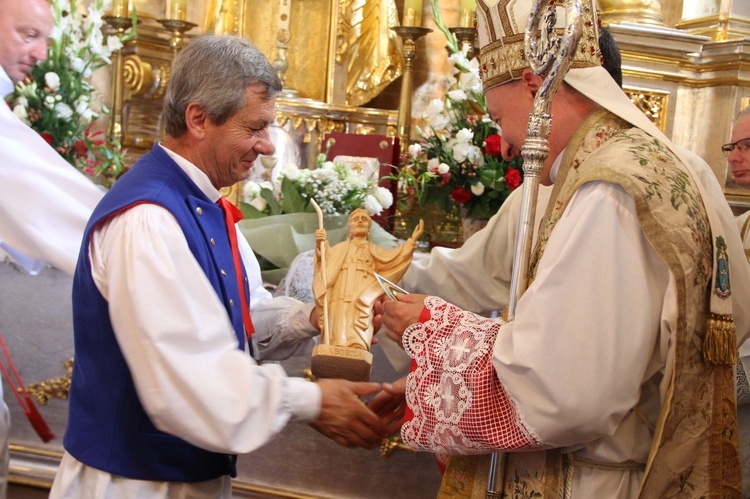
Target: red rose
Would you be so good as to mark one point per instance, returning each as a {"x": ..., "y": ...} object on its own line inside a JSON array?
[
  {"x": 47, "y": 136},
  {"x": 492, "y": 145},
  {"x": 81, "y": 148},
  {"x": 461, "y": 195},
  {"x": 512, "y": 178}
]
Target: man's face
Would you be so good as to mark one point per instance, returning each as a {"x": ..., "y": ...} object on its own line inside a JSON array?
[
  {"x": 24, "y": 29},
  {"x": 739, "y": 158},
  {"x": 359, "y": 224},
  {"x": 231, "y": 148}
]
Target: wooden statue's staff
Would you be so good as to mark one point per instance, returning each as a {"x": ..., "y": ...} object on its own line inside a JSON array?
[
  {"x": 325, "y": 335},
  {"x": 546, "y": 55}
]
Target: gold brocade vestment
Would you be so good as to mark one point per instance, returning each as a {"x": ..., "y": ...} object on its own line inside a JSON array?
[{"x": 698, "y": 413}]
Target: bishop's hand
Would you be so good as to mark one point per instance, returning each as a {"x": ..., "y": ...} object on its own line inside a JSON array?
[
  {"x": 399, "y": 314},
  {"x": 390, "y": 404}
]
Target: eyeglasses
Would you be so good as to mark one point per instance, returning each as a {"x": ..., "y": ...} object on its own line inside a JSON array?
[{"x": 743, "y": 145}]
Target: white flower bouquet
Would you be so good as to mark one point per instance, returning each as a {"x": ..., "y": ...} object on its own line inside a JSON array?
[{"x": 337, "y": 189}]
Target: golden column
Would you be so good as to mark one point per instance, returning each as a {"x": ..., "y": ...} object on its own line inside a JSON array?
[
  {"x": 636, "y": 11},
  {"x": 725, "y": 20},
  {"x": 119, "y": 20}
]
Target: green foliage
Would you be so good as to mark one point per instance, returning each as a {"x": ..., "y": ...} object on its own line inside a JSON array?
[{"x": 459, "y": 162}]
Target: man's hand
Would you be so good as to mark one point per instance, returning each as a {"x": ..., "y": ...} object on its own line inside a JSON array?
[
  {"x": 398, "y": 315},
  {"x": 344, "y": 418},
  {"x": 315, "y": 318},
  {"x": 390, "y": 405},
  {"x": 320, "y": 236}
]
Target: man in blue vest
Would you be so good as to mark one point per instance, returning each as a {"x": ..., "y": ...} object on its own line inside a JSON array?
[{"x": 164, "y": 393}]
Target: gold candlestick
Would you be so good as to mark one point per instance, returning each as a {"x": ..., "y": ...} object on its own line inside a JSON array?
[
  {"x": 465, "y": 37},
  {"x": 119, "y": 24},
  {"x": 409, "y": 35},
  {"x": 280, "y": 64},
  {"x": 177, "y": 28}
]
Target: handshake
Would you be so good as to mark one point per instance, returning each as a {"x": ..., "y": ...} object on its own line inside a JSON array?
[{"x": 347, "y": 420}]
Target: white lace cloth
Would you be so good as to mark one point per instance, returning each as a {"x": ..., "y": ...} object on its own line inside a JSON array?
[
  {"x": 298, "y": 281},
  {"x": 459, "y": 404}
]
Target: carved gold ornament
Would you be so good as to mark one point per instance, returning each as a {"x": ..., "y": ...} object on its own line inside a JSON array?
[{"x": 58, "y": 388}]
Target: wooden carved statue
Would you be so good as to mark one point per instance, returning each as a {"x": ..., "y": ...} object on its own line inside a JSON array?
[{"x": 345, "y": 290}]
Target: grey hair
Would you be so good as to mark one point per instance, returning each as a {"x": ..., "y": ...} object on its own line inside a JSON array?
[
  {"x": 745, "y": 113},
  {"x": 215, "y": 71}
]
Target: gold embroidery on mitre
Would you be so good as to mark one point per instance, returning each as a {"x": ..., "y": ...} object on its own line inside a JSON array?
[{"x": 500, "y": 30}]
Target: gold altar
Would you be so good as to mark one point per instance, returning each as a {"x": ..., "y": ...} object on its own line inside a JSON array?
[{"x": 686, "y": 63}]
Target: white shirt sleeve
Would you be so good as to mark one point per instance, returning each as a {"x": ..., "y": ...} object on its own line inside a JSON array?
[
  {"x": 587, "y": 331},
  {"x": 453, "y": 274},
  {"x": 282, "y": 324},
  {"x": 45, "y": 203},
  {"x": 177, "y": 339}
]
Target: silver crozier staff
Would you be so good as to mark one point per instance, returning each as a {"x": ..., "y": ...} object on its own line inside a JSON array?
[{"x": 546, "y": 54}]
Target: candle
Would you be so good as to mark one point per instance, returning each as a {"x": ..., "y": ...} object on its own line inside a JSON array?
[
  {"x": 177, "y": 9},
  {"x": 412, "y": 13},
  {"x": 121, "y": 8},
  {"x": 466, "y": 17}
]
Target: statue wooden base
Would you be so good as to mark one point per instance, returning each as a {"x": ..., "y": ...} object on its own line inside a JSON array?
[{"x": 331, "y": 361}]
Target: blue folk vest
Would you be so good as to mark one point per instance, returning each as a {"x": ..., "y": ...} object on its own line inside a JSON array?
[{"x": 108, "y": 428}]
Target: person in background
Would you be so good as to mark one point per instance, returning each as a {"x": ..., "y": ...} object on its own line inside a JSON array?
[
  {"x": 164, "y": 393},
  {"x": 44, "y": 201},
  {"x": 603, "y": 308},
  {"x": 737, "y": 153}
]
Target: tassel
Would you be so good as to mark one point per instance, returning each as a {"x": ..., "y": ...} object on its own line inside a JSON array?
[
  {"x": 37, "y": 421},
  {"x": 720, "y": 342}
]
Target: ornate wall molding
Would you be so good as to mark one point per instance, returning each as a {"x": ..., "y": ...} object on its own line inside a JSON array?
[{"x": 653, "y": 103}]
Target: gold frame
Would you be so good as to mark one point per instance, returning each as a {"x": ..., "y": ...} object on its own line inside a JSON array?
[{"x": 653, "y": 102}]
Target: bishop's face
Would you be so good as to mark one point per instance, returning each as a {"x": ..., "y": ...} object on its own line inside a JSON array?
[
  {"x": 508, "y": 108},
  {"x": 510, "y": 105}
]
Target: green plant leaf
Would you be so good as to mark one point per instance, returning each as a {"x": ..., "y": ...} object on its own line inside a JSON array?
[
  {"x": 249, "y": 211},
  {"x": 291, "y": 200},
  {"x": 273, "y": 204}
]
